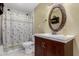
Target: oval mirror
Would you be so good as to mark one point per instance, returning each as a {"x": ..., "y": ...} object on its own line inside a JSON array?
[{"x": 57, "y": 18}]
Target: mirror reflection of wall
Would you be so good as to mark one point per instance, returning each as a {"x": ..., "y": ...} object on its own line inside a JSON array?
[{"x": 56, "y": 12}]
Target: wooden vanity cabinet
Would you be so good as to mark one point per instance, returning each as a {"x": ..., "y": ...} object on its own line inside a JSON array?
[{"x": 46, "y": 47}]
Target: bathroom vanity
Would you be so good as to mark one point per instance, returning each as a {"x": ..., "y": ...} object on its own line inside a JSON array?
[{"x": 53, "y": 45}]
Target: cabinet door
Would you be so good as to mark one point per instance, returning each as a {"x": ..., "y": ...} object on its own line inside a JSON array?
[
  {"x": 44, "y": 47},
  {"x": 60, "y": 49},
  {"x": 40, "y": 47},
  {"x": 54, "y": 48},
  {"x": 39, "y": 50},
  {"x": 51, "y": 48}
]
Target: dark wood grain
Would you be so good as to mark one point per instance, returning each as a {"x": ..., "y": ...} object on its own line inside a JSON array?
[{"x": 46, "y": 47}]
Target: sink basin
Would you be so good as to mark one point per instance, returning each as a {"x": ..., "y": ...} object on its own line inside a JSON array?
[{"x": 62, "y": 38}]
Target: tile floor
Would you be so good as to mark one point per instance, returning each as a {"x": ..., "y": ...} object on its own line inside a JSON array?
[{"x": 16, "y": 52}]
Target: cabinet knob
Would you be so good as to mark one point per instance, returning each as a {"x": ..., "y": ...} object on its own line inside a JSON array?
[{"x": 43, "y": 44}]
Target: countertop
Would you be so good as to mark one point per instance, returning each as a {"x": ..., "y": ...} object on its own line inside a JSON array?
[{"x": 59, "y": 38}]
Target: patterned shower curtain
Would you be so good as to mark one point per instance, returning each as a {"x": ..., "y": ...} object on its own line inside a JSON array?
[{"x": 16, "y": 27}]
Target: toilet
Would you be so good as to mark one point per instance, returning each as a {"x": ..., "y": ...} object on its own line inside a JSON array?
[{"x": 29, "y": 46}]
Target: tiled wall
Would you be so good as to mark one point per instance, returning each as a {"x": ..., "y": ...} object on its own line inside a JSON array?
[{"x": 17, "y": 28}]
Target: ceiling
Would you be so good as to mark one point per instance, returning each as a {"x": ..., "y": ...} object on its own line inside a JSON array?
[{"x": 24, "y": 7}]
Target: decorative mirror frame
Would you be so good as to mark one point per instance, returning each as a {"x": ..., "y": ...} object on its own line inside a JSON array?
[{"x": 63, "y": 12}]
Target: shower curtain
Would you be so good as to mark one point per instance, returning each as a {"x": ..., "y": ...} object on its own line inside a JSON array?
[{"x": 17, "y": 28}]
